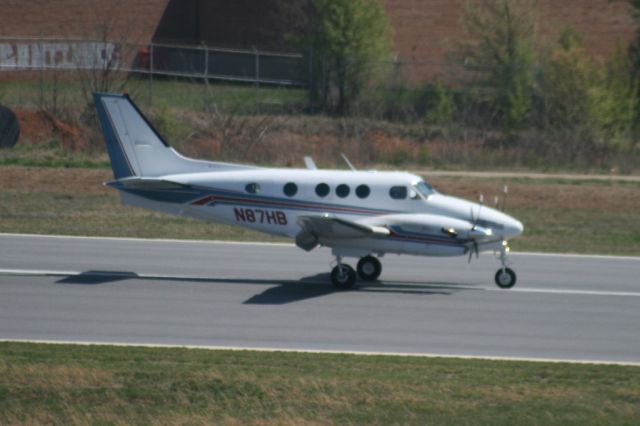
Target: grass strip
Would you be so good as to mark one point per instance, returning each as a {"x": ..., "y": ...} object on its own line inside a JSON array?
[
  {"x": 588, "y": 218},
  {"x": 69, "y": 384}
]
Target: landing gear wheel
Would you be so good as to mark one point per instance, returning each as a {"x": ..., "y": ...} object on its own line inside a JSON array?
[
  {"x": 369, "y": 268},
  {"x": 343, "y": 277},
  {"x": 505, "y": 278}
]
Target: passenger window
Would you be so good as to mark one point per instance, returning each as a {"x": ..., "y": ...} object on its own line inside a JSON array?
[
  {"x": 343, "y": 190},
  {"x": 363, "y": 191},
  {"x": 290, "y": 189},
  {"x": 398, "y": 192},
  {"x": 252, "y": 188},
  {"x": 322, "y": 189}
]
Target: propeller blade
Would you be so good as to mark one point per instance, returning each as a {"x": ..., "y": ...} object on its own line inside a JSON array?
[{"x": 474, "y": 249}]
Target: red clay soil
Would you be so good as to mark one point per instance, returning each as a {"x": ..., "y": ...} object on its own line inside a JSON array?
[{"x": 41, "y": 126}]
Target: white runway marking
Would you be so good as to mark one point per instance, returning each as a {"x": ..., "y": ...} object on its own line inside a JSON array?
[{"x": 560, "y": 291}]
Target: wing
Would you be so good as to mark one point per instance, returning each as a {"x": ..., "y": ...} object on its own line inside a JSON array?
[{"x": 315, "y": 228}]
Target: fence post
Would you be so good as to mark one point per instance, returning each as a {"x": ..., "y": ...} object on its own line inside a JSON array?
[
  {"x": 151, "y": 75},
  {"x": 310, "y": 83},
  {"x": 257, "y": 80},
  {"x": 206, "y": 61},
  {"x": 41, "y": 48}
]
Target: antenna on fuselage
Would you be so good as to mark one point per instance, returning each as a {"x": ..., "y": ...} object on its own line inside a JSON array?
[
  {"x": 499, "y": 203},
  {"x": 311, "y": 165},
  {"x": 505, "y": 192},
  {"x": 346, "y": 160}
]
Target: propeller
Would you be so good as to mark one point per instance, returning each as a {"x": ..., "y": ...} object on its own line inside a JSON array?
[{"x": 474, "y": 220}]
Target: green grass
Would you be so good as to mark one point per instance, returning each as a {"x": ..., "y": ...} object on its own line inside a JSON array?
[
  {"x": 67, "y": 213},
  {"x": 588, "y": 231},
  {"x": 179, "y": 94},
  {"x": 67, "y": 384},
  {"x": 51, "y": 154}
]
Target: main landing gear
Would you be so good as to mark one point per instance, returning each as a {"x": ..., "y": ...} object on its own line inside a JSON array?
[
  {"x": 505, "y": 277},
  {"x": 343, "y": 276}
]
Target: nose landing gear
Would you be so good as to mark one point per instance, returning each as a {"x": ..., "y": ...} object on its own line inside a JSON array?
[{"x": 505, "y": 277}]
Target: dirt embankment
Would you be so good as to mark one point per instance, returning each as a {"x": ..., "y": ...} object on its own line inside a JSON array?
[{"x": 38, "y": 127}]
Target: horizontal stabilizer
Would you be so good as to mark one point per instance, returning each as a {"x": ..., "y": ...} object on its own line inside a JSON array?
[{"x": 145, "y": 184}]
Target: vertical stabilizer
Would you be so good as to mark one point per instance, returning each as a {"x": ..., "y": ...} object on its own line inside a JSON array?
[{"x": 136, "y": 148}]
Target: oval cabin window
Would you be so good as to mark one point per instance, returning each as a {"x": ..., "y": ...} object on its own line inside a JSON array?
[
  {"x": 322, "y": 189},
  {"x": 363, "y": 191},
  {"x": 342, "y": 191},
  {"x": 290, "y": 189},
  {"x": 252, "y": 188}
]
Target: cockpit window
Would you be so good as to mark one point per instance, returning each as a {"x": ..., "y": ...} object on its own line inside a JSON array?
[
  {"x": 424, "y": 189},
  {"x": 398, "y": 192}
]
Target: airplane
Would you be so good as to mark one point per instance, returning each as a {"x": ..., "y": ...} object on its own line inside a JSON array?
[{"x": 358, "y": 214}]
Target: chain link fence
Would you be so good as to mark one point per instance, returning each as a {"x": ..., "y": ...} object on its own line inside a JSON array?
[
  {"x": 247, "y": 66},
  {"x": 57, "y": 72},
  {"x": 35, "y": 70}
]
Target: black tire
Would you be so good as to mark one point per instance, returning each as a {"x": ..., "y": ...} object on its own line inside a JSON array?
[
  {"x": 369, "y": 268},
  {"x": 344, "y": 280},
  {"x": 506, "y": 279},
  {"x": 9, "y": 128}
]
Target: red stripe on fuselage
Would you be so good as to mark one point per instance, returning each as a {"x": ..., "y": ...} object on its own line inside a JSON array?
[{"x": 203, "y": 201}]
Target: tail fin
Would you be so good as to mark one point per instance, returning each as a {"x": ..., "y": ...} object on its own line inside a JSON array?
[{"x": 136, "y": 148}]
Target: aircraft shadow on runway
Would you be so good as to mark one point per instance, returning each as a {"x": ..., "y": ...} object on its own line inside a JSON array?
[
  {"x": 281, "y": 291},
  {"x": 97, "y": 277}
]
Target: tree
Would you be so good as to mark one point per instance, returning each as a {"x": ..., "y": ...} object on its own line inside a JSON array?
[
  {"x": 572, "y": 86},
  {"x": 587, "y": 99},
  {"x": 347, "y": 39},
  {"x": 501, "y": 48}
]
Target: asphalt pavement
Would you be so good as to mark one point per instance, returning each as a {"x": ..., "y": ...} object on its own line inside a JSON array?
[{"x": 245, "y": 295}]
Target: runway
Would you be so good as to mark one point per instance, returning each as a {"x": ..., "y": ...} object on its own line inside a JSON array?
[{"x": 582, "y": 308}]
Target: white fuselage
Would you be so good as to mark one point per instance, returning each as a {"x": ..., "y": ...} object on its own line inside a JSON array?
[{"x": 272, "y": 201}]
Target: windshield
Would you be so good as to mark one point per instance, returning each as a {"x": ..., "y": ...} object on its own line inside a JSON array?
[{"x": 424, "y": 189}]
